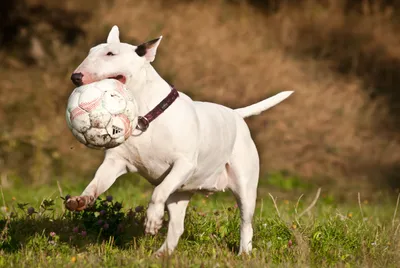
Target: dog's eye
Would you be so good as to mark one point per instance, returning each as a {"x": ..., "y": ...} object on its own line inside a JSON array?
[{"x": 110, "y": 54}]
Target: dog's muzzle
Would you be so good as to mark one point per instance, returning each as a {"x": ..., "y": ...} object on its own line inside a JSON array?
[{"x": 77, "y": 79}]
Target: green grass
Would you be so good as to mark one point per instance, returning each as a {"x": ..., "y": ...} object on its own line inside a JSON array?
[{"x": 329, "y": 234}]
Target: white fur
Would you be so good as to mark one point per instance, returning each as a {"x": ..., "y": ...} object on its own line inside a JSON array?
[
  {"x": 261, "y": 106},
  {"x": 151, "y": 53},
  {"x": 113, "y": 36},
  {"x": 192, "y": 146}
]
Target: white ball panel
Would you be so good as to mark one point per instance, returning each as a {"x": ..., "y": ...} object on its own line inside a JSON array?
[
  {"x": 114, "y": 102},
  {"x": 90, "y": 99},
  {"x": 97, "y": 137},
  {"x": 67, "y": 118},
  {"x": 79, "y": 136},
  {"x": 99, "y": 118},
  {"x": 120, "y": 140},
  {"x": 117, "y": 127},
  {"x": 80, "y": 119},
  {"x": 73, "y": 100},
  {"x": 105, "y": 85},
  {"x": 131, "y": 110}
]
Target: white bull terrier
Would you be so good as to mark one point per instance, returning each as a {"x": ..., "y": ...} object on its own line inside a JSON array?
[{"x": 192, "y": 146}]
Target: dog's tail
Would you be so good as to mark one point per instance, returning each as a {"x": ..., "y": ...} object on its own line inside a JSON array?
[{"x": 261, "y": 106}]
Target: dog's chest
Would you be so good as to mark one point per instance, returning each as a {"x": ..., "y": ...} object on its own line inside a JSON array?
[{"x": 150, "y": 161}]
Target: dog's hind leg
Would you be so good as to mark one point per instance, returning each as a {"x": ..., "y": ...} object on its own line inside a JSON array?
[
  {"x": 243, "y": 171},
  {"x": 176, "y": 205}
]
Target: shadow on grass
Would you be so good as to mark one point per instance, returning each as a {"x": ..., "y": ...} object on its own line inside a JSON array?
[
  {"x": 42, "y": 228},
  {"x": 106, "y": 222}
]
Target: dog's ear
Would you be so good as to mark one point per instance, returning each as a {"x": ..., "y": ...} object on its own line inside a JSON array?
[
  {"x": 113, "y": 36},
  {"x": 149, "y": 49}
]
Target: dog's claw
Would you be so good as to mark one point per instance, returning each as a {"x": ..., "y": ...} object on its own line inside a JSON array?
[{"x": 78, "y": 203}]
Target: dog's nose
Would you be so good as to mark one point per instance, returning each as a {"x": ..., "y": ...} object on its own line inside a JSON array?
[{"x": 77, "y": 79}]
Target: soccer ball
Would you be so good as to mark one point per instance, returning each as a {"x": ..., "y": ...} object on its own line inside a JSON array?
[{"x": 102, "y": 114}]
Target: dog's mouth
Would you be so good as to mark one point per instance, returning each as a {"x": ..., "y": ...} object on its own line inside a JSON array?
[{"x": 120, "y": 78}]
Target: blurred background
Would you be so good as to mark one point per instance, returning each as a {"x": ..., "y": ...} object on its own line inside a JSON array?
[{"x": 340, "y": 130}]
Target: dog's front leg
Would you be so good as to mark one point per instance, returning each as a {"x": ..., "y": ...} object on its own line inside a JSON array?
[
  {"x": 181, "y": 171},
  {"x": 105, "y": 176}
]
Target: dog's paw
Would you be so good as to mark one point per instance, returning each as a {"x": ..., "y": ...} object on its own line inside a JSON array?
[
  {"x": 78, "y": 203},
  {"x": 154, "y": 219},
  {"x": 159, "y": 254},
  {"x": 162, "y": 252}
]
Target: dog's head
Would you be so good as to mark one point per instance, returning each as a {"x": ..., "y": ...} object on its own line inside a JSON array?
[{"x": 115, "y": 60}]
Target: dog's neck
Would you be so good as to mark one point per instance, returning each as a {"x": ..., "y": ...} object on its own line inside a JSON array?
[{"x": 149, "y": 88}]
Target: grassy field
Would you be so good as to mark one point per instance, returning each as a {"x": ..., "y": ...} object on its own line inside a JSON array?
[{"x": 301, "y": 230}]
